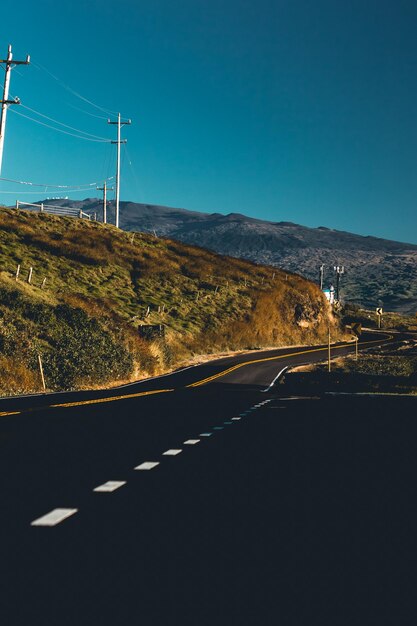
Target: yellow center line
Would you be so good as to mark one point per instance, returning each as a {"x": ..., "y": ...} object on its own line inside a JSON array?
[
  {"x": 4, "y": 413},
  {"x": 111, "y": 399},
  {"x": 204, "y": 381},
  {"x": 85, "y": 402},
  {"x": 196, "y": 384}
]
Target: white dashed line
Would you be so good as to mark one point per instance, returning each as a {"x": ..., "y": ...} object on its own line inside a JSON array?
[
  {"x": 53, "y": 517},
  {"x": 148, "y": 465},
  {"x": 109, "y": 486},
  {"x": 192, "y": 442},
  {"x": 205, "y": 434},
  {"x": 173, "y": 452},
  {"x": 236, "y": 418}
]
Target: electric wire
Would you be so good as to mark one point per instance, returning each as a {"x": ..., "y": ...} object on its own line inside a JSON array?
[
  {"x": 24, "y": 182},
  {"x": 99, "y": 117},
  {"x": 51, "y": 119},
  {"x": 59, "y": 130},
  {"x": 36, "y": 192},
  {"x": 72, "y": 91},
  {"x": 132, "y": 169}
]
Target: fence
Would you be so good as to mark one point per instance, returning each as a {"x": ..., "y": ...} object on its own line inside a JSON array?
[{"x": 54, "y": 210}]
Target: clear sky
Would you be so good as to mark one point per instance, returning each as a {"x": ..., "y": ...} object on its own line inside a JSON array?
[{"x": 279, "y": 109}]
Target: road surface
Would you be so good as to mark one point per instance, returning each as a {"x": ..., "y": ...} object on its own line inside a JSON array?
[{"x": 213, "y": 503}]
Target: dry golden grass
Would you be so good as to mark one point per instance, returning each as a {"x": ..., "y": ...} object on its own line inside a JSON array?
[{"x": 208, "y": 303}]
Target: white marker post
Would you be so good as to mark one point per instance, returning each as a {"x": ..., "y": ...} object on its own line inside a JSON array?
[{"x": 41, "y": 371}]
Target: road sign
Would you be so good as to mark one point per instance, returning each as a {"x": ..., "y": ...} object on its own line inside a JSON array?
[
  {"x": 357, "y": 328},
  {"x": 379, "y": 310}
]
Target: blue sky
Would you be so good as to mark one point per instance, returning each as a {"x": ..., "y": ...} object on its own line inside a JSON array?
[{"x": 283, "y": 110}]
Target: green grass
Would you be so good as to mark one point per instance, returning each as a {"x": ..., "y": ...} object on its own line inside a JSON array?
[{"x": 207, "y": 302}]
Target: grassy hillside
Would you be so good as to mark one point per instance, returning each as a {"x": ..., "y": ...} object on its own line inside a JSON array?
[{"x": 93, "y": 285}]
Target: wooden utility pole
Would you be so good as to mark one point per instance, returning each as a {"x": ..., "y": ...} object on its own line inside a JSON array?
[
  {"x": 104, "y": 189},
  {"x": 329, "y": 352},
  {"x": 118, "y": 142},
  {"x": 5, "y": 102}
]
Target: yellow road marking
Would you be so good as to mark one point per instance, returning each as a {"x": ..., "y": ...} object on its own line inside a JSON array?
[
  {"x": 84, "y": 402},
  {"x": 204, "y": 381},
  {"x": 196, "y": 384},
  {"x": 112, "y": 399}
]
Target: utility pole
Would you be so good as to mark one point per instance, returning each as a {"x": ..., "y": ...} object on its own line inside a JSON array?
[
  {"x": 119, "y": 123},
  {"x": 104, "y": 189},
  {"x": 329, "y": 358},
  {"x": 10, "y": 64},
  {"x": 339, "y": 269},
  {"x": 321, "y": 274}
]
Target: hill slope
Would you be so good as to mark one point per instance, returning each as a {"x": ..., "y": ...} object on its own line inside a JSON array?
[
  {"x": 102, "y": 284},
  {"x": 379, "y": 272}
]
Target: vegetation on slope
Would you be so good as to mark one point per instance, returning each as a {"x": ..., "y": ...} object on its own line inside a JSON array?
[
  {"x": 389, "y": 369},
  {"x": 102, "y": 284}
]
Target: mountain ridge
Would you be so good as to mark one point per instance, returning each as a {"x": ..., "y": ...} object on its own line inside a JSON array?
[{"x": 379, "y": 271}]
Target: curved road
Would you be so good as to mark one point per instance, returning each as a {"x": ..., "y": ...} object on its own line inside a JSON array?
[
  {"x": 156, "y": 502},
  {"x": 257, "y": 368}
]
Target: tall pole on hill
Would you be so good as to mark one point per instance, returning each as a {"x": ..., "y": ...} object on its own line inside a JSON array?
[
  {"x": 321, "y": 275},
  {"x": 104, "y": 189},
  {"x": 5, "y": 102},
  {"x": 339, "y": 269},
  {"x": 118, "y": 142}
]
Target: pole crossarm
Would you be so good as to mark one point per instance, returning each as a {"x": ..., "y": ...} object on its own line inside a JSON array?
[
  {"x": 13, "y": 63},
  {"x": 122, "y": 122}
]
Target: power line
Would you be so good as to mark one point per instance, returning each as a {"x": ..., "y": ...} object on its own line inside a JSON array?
[
  {"x": 38, "y": 192},
  {"x": 24, "y": 182},
  {"x": 72, "y": 91},
  {"x": 51, "y": 119},
  {"x": 99, "y": 117},
  {"x": 59, "y": 130}
]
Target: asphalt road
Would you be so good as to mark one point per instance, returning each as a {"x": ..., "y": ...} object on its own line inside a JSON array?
[{"x": 276, "y": 511}]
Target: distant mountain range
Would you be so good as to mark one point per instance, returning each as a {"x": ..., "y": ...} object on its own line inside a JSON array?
[{"x": 378, "y": 272}]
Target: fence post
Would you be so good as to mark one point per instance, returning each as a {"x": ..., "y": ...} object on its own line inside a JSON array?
[
  {"x": 17, "y": 272},
  {"x": 43, "y": 283},
  {"x": 17, "y": 205},
  {"x": 80, "y": 214},
  {"x": 41, "y": 371},
  {"x": 41, "y": 209},
  {"x": 30, "y": 275}
]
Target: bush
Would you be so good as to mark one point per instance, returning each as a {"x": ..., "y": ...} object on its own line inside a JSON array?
[{"x": 83, "y": 352}]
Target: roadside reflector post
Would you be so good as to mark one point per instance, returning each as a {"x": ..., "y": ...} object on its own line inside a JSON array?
[
  {"x": 30, "y": 275},
  {"x": 379, "y": 314},
  {"x": 41, "y": 371},
  {"x": 17, "y": 272},
  {"x": 356, "y": 347},
  {"x": 329, "y": 352}
]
